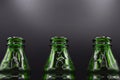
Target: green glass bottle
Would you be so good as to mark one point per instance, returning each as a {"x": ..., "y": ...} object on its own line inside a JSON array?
[
  {"x": 103, "y": 65},
  {"x": 59, "y": 65},
  {"x": 14, "y": 65},
  {"x": 103, "y": 59}
]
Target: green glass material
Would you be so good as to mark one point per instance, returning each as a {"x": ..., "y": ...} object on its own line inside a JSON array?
[
  {"x": 59, "y": 65},
  {"x": 103, "y": 59},
  {"x": 14, "y": 65}
]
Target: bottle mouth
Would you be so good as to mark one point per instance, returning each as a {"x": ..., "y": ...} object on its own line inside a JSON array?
[
  {"x": 102, "y": 40},
  {"x": 59, "y": 40},
  {"x": 15, "y": 40}
]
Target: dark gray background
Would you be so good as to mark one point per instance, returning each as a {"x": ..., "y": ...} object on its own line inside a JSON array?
[{"x": 79, "y": 20}]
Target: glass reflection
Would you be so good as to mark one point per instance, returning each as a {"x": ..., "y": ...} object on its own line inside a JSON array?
[
  {"x": 14, "y": 75},
  {"x": 59, "y": 76},
  {"x": 104, "y": 76}
]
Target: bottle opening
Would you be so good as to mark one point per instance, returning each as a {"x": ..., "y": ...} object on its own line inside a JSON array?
[
  {"x": 59, "y": 40},
  {"x": 102, "y": 40},
  {"x": 15, "y": 41}
]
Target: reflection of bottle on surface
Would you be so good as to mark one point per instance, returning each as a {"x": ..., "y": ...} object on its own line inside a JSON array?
[
  {"x": 103, "y": 65},
  {"x": 59, "y": 65},
  {"x": 14, "y": 66},
  {"x": 94, "y": 76}
]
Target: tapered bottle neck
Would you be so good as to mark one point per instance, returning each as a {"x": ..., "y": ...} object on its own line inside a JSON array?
[
  {"x": 15, "y": 47},
  {"x": 102, "y": 43},
  {"x": 102, "y": 47},
  {"x": 59, "y": 44},
  {"x": 59, "y": 47}
]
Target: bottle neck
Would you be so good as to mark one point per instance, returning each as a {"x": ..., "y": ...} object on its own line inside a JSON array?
[
  {"x": 59, "y": 47},
  {"x": 102, "y": 47},
  {"x": 15, "y": 49}
]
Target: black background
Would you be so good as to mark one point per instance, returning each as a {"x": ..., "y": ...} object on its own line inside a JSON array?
[{"x": 78, "y": 20}]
